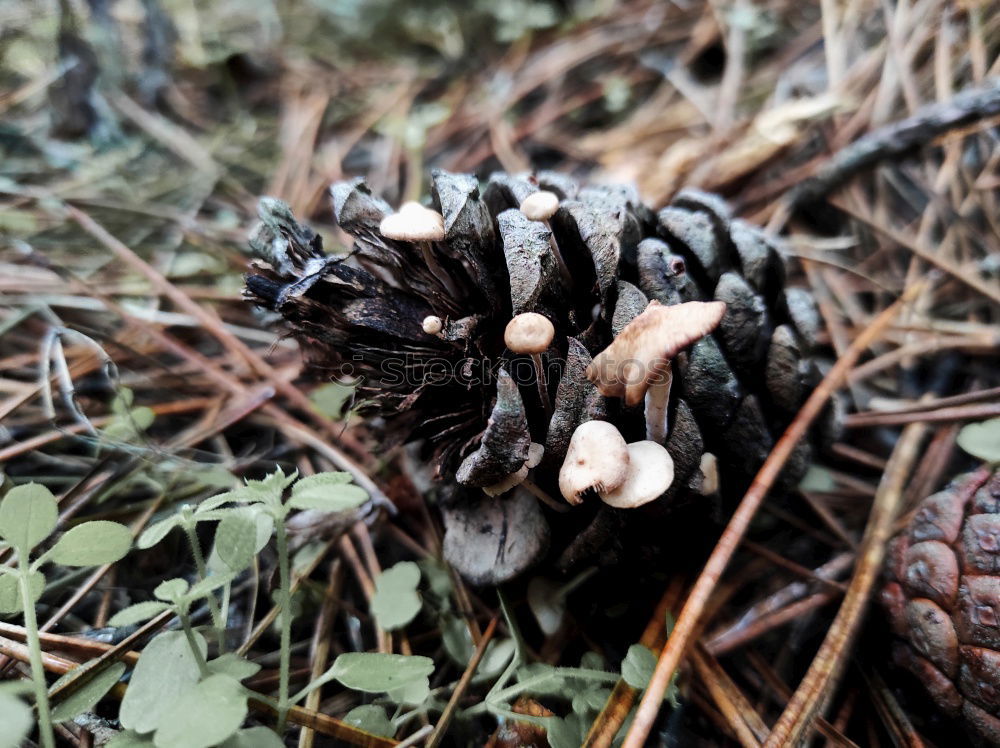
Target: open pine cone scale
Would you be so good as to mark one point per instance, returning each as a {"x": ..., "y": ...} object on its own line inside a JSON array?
[{"x": 420, "y": 324}]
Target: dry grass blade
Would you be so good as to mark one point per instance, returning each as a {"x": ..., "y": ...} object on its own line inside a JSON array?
[
  {"x": 743, "y": 719},
  {"x": 691, "y": 613}
]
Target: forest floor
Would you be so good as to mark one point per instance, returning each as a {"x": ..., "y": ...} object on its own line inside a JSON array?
[{"x": 135, "y": 141}]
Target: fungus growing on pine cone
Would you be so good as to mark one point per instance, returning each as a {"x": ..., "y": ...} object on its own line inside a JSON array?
[
  {"x": 479, "y": 333},
  {"x": 943, "y": 600}
]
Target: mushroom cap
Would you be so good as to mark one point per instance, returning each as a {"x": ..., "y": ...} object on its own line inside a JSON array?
[
  {"x": 540, "y": 206},
  {"x": 432, "y": 324},
  {"x": 529, "y": 333},
  {"x": 535, "y": 453},
  {"x": 709, "y": 474},
  {"x": 508, "y": 482},
  {"x": 637, "y": 357},
  {"x": 650, "y": 473},
  {"x": 597, "y": 459},
  {"x": 413, "y": 223}
]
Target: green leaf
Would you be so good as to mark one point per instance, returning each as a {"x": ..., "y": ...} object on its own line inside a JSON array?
[
  {"x": 138, "y": 613},
  {"x": 212, "y": 476},
  {"x": 496, "y": 657},
  {"x": 130, "y": 739},
  {"x": 589, "y": 700},
  {"x": 92, "y": 544},
  {"x": 142, "y": 418},
  {"x": 371, "y": 719},
  {"x": 396, "y": 602},
  {"x": 209, "y": 584},
  {"x": 273, "y": 486},
  {"x": 204, "y": 715},
  {"x": 264, "y": 524},
  {"x": 413, "y": 693},
  {"x": 157, "y": 532},
  {"x": 234, "y": 666},
  {"x": 567, "y": 732},
  {"x": 327, "y": 492},
  {"x": 331, "y": 397},
  {"x": 171, "y": 590},
  {"x": 982, "y": 440},
  {"x": 10, "y": 594},
  {"x": 83, "y": 699},
  {"x": 166, "y": 670},
  {"x": 236, "y": 539},
  {"x": 123, "y": 401},
  {"x": 254, "y": 737},
  {"x": 546, "y": 680},
  {"x": 592, "y": 661},
  {"x": 439, "y": 581},
  {"x": 242, "y": 495},
  {"x": 16, "y": 718},
  {"x": 638, "y": 666},
  {"x": 267, "y": 491},
  {"x": 10, "y": 591},
  {"x": 374, "y": 672},
  {"x": 818, "y": 480},
  {"x": 547, "y": 604},
  {"x": 456, "y": 638},
  {"x": 28, "y": 515}
]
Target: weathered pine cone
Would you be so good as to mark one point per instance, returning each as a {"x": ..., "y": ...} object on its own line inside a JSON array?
[
  {"x": 943, "y": 600},
  {"x": 421, "y": 320}
]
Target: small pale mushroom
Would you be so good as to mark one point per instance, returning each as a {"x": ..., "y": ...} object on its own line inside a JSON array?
[
  {"x": 432, "y": 325},
  {"x": 532, "y": 333},
  {"x": 637, "y": 363},
  {"x": 535, "y": 453},
  {"x": 419, "y": 225},
  {"x": 597, "y": 460},
  {"x": 541, "y": 206},
  {"x": 650, "y": 473},
  {"x": 709, "y": 469}
]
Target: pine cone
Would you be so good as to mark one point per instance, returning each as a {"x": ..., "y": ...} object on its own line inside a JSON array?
[
  {"x": 943, "y": 600},
  {"x": 421, "y": 320}
]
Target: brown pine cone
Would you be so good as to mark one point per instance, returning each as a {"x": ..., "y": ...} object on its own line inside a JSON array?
[
  {"x": 419, "y": 313},
  {"x": 943, "y": 599}
]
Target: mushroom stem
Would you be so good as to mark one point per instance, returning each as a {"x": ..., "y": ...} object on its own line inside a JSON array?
[
  {"x": 542, "y": 496},
  {"x": 543, "y": 388},
  {"x": 439, "y": 272},
  {"x": 657, "y": 400}
]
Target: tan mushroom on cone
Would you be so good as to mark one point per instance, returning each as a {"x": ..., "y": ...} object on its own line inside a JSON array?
[
  {"x": 541, "y": 206},
  {"x": 637, "y": 363},
  {"x": 432, "y": 324},
  {"x": 532, "y": 333},
  {"x": 419, "y": 225},
  {"x": 650, "y": 473},
  {"x": 597, "y": 460},
  {"x": 413, "y": 223},
  {"x": 535, "y": 453}
]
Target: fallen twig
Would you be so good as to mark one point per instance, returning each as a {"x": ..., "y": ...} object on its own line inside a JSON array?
[{"x": 899, "y": 137}]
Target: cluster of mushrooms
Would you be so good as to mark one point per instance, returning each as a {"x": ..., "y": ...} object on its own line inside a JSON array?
[
  {"x": 624, "y": 353},
  {"x": 634, "y": 367}
]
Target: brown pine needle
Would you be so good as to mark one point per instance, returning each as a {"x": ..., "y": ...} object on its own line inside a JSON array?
[{"x": 449, "y": 711}]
